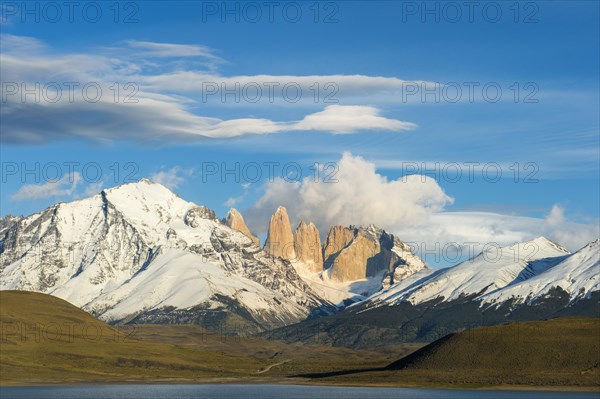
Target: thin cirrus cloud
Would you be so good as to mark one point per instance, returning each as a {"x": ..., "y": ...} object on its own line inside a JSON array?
[
  {"x": 155, "y": 107},
  {"x": 328, "y": 87},
  {"x": 152, "y": 49}
]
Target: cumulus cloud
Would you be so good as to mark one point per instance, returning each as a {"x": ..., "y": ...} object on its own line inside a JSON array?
[
  {"x": 171, "y": 178},
  {"x": 356, "y": 194},
  {"x": 571, "y": 235},
  {"x": 63, "y": 187},
  {"x": 413, "y": 208},
  {"x": 556, "y": 217}
]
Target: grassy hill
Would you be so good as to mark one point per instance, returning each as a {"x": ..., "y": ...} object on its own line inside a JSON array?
[
  {"x": 564, "y": 345},
  {"x": 45, "y": 340},
  {"x": 556, "y": 352}
]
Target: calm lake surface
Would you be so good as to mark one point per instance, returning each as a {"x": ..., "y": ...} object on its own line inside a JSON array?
[{"x": 267, "y": 392}]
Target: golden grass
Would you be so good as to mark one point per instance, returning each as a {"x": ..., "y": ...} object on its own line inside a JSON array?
[{"x": 45, "y": 340}]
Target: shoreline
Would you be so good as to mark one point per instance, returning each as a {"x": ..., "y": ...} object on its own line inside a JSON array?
[{"x": 226, "y": 381}]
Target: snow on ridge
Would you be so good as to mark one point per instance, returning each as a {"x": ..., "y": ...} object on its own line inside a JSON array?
[
  {"x": 488, "y": 272},
  {"x": 182, "y": 280},
  {"x": 578, "y": 274},
  {"x": 144, "y": 231},
  {"x": 129, "y": 249}
]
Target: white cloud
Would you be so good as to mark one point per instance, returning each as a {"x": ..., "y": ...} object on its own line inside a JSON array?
[
  {"x": 349, "y": 119},
  {"x": 157, "y": 120},
  {"x": 158, "y": 110},
  {"x": 556, "y": 217},
  {"x": 171, "y": 178},
  {"x": 571, "y": 235},
  {"x": 232, "y": 201},
  {"x": 10, "y": 42},
  {"x": 468, "y": 229},
  {"x": 444, "y": 231},
  {"x": 412, "y": 208},
  {"x": 358, "y": 196},
  {"x": 152, "y": 49},
  {"x": 63, "y": 187},
  {"x": 330, "y": 87},
  {"x": 93, "y": 189}
]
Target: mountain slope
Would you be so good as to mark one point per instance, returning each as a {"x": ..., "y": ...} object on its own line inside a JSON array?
[
  {"x": 487, "y": 272},
  {"x": 140, "y": 251},
  {"x": 428, "y": 305},
  {"x": 577, "y": 274}
]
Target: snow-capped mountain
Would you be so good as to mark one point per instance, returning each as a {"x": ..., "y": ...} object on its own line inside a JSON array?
[
  {"x": 487, "y": 274},
  {"x": 138, "y": 251},
  {"x": 533, "y": 280},
  {"x": 577, "y": 274}
]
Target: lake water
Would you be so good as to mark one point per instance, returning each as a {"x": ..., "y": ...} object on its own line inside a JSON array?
[{"x": 267, "y": 392}]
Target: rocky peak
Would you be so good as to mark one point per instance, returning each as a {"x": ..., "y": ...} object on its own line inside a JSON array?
[
  {"x": 194, "y": 215},
  {"x": 354, "y": 253},
  {"x": 350, "y": 254},
  {"x": 307, "y": 245},
  {"x": 338, "y": 238},
  {"x": 125, "y": 255},
  {"x": 235, "y": 220},
  {"x": 280, "y": 241},
  {"x": 8, "y": 221}
]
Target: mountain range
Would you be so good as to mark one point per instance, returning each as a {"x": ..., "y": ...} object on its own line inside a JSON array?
[
  {"x": 535, "y": 280},
  {"x": 138, "y": 253}
]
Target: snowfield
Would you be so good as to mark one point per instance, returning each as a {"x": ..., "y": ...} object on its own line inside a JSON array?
[
  {"x": 520, "y": 272},
  {"x": 129, "y": 250}
]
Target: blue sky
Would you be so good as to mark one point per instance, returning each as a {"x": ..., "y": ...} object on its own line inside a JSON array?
[{"x": 371, "y": 62}]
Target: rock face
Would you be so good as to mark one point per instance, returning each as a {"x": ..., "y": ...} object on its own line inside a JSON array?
[
  {"x": 193, "y": 216},
  {"x": 280, "y": 241},
  {"x": 307, "y": 245},
  {"x": 338, "y": 238},
  {"x": 352, "y": 253},
  {"x": 140, "y": 253},
  {"x": 235, "y": 220},
  {"x": 347, "y": 253}
]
